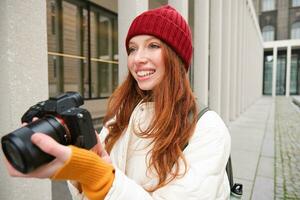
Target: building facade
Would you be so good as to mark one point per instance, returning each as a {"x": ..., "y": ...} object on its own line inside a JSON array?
[
  {"x": 280, "y": 25},
  {"x": 54, "y": 46}
]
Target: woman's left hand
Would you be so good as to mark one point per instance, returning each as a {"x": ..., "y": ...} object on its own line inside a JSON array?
[
  {"x": 100, "y": 150},
  {"x": 50, "y": 146}
]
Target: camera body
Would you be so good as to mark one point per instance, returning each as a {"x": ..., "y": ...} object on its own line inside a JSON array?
[{"x": 61, "y": 118}]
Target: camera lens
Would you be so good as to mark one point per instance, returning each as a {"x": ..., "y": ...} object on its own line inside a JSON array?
[
  {"x": 22, "y": 153},
  {"x": 12, "y": 154}
]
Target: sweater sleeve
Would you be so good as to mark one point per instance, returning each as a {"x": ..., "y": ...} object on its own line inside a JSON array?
[{"x": 93, "y": 173}]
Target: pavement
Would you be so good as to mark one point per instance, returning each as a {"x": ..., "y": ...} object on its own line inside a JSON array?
[{"x": 266, "y": 149}]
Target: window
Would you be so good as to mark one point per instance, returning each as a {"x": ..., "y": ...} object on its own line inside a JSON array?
[
  {"x": 295, "y": 31},
  {"x": 281, "y": 74},
  {"x": 295, "y": 3},
  {"x": 82, "y": 49},
  {"x": 295, "y": 74},
  {"x": 53, "y": 16},
  {"x": 268, "y": 33},
  {"x": 268, "y": 70},
  {"x": 268, "y": 5}
]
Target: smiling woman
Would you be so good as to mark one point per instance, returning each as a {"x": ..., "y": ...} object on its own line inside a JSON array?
[
  {"x": 145, "y": 61},
  {"x": 150, "y": 119}
]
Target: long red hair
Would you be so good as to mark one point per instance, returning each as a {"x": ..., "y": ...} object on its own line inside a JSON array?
[{"x": 173, "y": 122}]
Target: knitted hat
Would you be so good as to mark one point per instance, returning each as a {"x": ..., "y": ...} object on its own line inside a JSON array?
[{"x": 168, "y": 25}]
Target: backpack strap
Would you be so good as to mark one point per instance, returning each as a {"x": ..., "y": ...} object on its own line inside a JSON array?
[
  {"x": 203, "y": 109},
  {"x": 235, "y": 188}
]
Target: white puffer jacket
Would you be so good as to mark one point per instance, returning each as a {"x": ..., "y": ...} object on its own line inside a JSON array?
[{"x": 206, "y": 155}]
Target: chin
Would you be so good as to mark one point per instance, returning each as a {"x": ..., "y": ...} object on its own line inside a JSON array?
[{"x": 145, "y": 87}]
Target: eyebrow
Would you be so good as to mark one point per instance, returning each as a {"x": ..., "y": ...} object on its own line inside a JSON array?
[{"x": 150, "y": 38}]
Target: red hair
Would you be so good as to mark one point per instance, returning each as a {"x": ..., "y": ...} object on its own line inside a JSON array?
[{"x": 173, "y": 122}]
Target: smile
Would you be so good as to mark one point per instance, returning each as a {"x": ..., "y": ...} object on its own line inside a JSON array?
[{"x": 145, "y": 73}]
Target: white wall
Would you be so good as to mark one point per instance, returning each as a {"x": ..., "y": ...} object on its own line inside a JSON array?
[
  {"x": 23, "y": 82},
  {"x": 235, "y": 53}
]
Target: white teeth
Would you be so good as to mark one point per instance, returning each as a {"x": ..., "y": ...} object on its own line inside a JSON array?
[{"x": 144, "y": 73}]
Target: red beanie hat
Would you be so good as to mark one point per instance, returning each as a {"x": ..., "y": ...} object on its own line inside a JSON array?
[{"x": 168, "y": 25}]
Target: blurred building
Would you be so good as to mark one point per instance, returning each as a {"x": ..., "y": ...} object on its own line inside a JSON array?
[
  {"x": 280, "y": 25},
  {"x": 52, "y": 46}
]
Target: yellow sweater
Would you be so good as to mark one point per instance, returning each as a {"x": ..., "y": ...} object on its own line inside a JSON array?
[{"x": 93, "y": 173}]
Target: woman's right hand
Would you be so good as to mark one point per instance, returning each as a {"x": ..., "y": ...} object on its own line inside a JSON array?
[{"x": 50, "y": 146}]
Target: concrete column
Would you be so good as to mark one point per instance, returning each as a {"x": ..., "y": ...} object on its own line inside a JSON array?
[
  {"x": 23, "y": 82},
  {"x": 246, "y": 90},
  {"x": 288, "y": 71},
  {"x": 215, "y": 55},
  {"x": 234, "y": 57},
  {"x": 126, "y": 13},
  {"x": 274, "y": 71},
  {"x": 201, "y": 41},
  {"x": 243, "y": 94},
  {"x": 181, "y": 6},
  {"x": 226, "y": 61},
  {"x": 240, "y": 56}
]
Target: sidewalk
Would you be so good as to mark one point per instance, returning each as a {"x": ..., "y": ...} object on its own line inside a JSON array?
[
  {"x": 266, "y": 149},
  {"x": 253, "y": 150}
]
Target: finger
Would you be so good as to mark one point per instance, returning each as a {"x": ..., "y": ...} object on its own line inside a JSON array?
[
  {"x": 24, "y": 124},
  {"x": 35, "y": 118},
  {"x": 50, "y": 146},
  {"x": 103, "y": 153}
]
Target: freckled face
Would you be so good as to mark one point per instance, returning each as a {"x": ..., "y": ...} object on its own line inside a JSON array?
[{"x": 145, "y": 61}]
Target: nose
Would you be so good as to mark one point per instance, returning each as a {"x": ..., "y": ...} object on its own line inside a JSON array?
[{"x": 140, "y": 56}]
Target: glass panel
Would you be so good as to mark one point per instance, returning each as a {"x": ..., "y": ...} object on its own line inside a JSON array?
[
  {"x": 115, "y": 54},
  {"x": 84, "y": 52},
  {"x": 295, "y": 3},
  {"x": 268, "y": 76},
  {"x": 54, "y": 75},
  {"x": 281, "y": 74},
  {"x": 54, "y": 62},
  {"x": 94, "y": 53},
  {"x": 268, "y": 5},
  {"x": 105, "y": 54},
  {"x": 72, "y": 74},
  {"x": 268, "y": 33},
  {"x": 72, "y": 46},
  {"x": 295, "y": 32},
  {"x": 298, "y": 79},
  {"x": 294, "y": 74},
  {"x": 70, "y": 29}
]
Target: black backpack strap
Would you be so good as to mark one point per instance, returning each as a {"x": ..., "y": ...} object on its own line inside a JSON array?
[
  {"x": 236, "y": 189},
  {"x": 203, "y": 109}
]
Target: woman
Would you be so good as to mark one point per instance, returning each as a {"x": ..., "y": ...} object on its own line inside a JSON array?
[{"x": 150, "y": 119}]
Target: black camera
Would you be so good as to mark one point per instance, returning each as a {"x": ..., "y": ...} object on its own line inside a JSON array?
[{"x": 59, "y": 117}]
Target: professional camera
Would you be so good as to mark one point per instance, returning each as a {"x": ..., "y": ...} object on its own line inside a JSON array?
[{"x": 60, "y": 118}]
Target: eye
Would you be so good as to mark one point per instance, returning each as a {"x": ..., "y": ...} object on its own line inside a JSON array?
[
  {"x": 131, "y": 49},
  {"x": 154, "y": 45}
]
